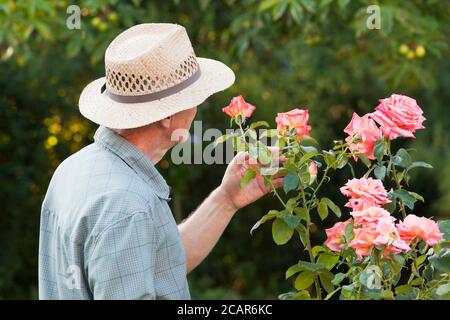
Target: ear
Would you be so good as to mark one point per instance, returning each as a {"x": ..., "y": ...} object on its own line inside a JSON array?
[{"x": 166, "y": 122}]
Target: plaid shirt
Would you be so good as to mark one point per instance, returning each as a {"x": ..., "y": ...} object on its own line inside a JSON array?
[{"x": 107, "y": 231}]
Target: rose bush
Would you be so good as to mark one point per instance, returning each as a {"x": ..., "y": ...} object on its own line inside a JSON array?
[{"x": 382, "y": 250}]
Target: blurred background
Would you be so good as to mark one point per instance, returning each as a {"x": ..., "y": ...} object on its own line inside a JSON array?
[{"x": 318, "y": 55}]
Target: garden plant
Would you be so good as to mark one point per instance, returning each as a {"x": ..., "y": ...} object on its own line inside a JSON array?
[{"x": 381, "y": 249}]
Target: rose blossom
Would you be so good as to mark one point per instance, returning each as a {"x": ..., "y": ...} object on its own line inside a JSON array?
[
  {"x": 238, "y": 107},
  {"x": 414, "y": 227},
  {"x": 312, "y": 170},
  {"x": 336, "y": 236},
  {"x": 296, "y": 119},
  {"x": 363, "y": 134},
  {"x": 384, "y": 235},
  {"x": 398, "y": 115},
  {"x": 363, "y": 241},
  {"x": 364, "y": 193},
  {"x": 389, "y": 237},
  {"x": 370, "y": 216}
]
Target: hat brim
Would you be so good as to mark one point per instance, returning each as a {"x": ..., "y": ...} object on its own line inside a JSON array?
[{"x": 101, "y": 109}]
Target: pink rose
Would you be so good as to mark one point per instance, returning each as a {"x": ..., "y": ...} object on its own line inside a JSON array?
[
  {"x": 389, "y": 237},
  {"x": 238, "y": 107},
  {"x": 363, "y": 134},
  {"x": 336, "y": 236},
  {"x": 398, "y": 115},
  {"x": 363, "y": 241},
  {"x": 295, "y": 119},
  {"x": 384, "y": 236},
  {"x": 364, "y": 193},
  {"x": 414, "y": 227},
  {"x": 312, "y": 170},
  {"x": 370, "y": 216}
]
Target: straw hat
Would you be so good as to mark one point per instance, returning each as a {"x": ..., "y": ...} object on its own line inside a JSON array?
[{"x": 151, "y": 73}]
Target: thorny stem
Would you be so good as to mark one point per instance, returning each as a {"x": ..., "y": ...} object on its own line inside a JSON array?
[{"x": 397, "y": 183}]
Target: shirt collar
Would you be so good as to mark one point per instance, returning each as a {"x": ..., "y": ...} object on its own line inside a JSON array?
[{"x": 134, "y": 158}]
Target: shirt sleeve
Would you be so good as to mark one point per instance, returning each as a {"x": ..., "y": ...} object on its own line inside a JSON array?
[{"x": 122, "y": 262}]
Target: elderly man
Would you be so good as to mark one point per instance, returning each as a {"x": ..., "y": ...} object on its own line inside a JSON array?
[{"x": 107, "y": 231}]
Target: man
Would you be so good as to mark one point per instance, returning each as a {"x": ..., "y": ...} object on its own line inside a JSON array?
[{"x": 107, "y": 231}]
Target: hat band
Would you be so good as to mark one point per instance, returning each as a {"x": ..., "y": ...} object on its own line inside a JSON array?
[{"x": 154, "y": 95}]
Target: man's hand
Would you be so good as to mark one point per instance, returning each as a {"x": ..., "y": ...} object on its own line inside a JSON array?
[
  {"x": 203, "y": 228},
  {"x": 255, "y": 189}
]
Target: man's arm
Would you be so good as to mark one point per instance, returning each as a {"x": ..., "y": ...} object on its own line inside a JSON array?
[{"x": 201, "y": 231}]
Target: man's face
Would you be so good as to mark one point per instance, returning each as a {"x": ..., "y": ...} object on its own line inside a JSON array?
[{"x": 180, "y": 124}]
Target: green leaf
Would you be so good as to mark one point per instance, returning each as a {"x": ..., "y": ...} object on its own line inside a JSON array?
[
  {"x": 416, "y": 196},
  {"x": 269, "y": 216},
  {"x": 308, "y": 155},
  {"x": 364, "y": 159},
  {"x": 296, "y": 12},
  {"x": 421, "y": 259},
  {"x": 420, "y": 164},
  {"x": 391, "y": 206},
  {"x": 44, "y": 30},
  {"x": 293, "y": 270},
  {"x": 347, "y": 290},
  {"x": 371, "y": 277},
  {"x": 291, "y": 220},
  {"x": 378, "y": 150},
  {"x": 329, "y": 260},
  {"x": 325, "y": 278},
  {"x": 290, "y": 182},
  {"x": 301, "y": 212},
  {"x": 267, "y": 4},
  {"x": 322, "y": 209},
  {"x": 341, "y": 162},
  {"x": 380, "y": 172},
  {"x": 387, "y": 295},
  {"x": 281, "y": 232},
  {"x": 279, "y": 10},
  {"x": 298, "y": 295},
  {"x": 338, "y": 278},
  {"x": 443, "y": 289},
  {"x": 257, "y": 124},
  {"x": 304, "y": 280},
  {"x": 305, "y": 265},
  {"x": 402, "y": 158},
  {"x": 318, "y": 249},
  {"x": 441, "y": 261},
  {"x": 303, "y": 234},
  {"x": 332, "y": 206},
  {"x": 330, "y": 158},
  {"x": 309, "y": 149},
  {"x": 343, "y": 3},
  {"x": 349, "y": 234},
  {"x": 444, "y": 227},
  {"x": 406, "y": 198},
  {"x": 403, "y": 289},
  {"x": 249, "y": 175},
  {"x": 417, "y": 282},
  {"x": 309, "y": 140},
  {"x": 331, "y": 294}
]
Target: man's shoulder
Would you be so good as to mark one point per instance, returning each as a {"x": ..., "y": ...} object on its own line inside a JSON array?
[{"x": 97, "y": 178}]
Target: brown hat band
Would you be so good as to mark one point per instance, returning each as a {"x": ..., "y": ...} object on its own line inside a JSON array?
[{"x": 155, "y": 95}]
